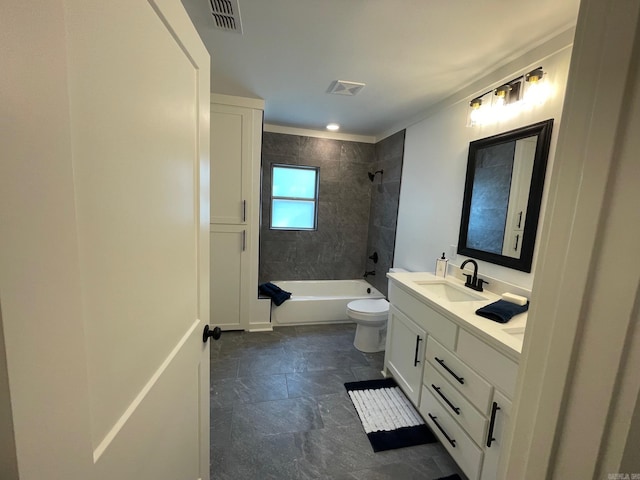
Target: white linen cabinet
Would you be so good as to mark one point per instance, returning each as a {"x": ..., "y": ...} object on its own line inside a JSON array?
[{"x": 236, "y": 138}]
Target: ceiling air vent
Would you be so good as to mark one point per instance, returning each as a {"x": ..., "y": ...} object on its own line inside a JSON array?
[
  {"x": 226, "y": 15},
  {"x": 342, "y": 87}
]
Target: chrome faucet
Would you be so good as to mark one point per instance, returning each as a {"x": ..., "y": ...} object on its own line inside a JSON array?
[{"x": 473, "y": 282}]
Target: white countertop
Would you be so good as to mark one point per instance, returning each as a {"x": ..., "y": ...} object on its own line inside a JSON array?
[{"x": 463, "y": 312}]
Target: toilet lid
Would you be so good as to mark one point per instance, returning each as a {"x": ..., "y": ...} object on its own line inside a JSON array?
[{"x": 379, "y": 305}]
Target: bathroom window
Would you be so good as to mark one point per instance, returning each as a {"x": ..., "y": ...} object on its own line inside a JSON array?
[{"x": 294, "y": 197}]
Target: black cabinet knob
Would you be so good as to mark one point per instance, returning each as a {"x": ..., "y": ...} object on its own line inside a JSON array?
[{"x": 215, "y": 333}]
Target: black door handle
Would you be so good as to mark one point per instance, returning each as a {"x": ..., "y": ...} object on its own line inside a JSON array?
[
  {"x": 441, "y": 362},
  {"x": 492, "y": 424},
  {"x": 449, "y": 439},
  {"x": 453, "y": 407},
  {"x": 215, "y": 333},
  {"x": 415, "y": 358}
]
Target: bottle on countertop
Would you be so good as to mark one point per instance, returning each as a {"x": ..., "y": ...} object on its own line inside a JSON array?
[{"x": 441, "y": 266}]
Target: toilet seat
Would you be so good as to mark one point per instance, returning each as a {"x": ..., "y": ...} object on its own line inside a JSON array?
[{"x": 369, "y": 310}]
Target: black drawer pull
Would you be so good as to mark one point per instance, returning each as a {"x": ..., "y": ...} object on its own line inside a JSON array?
[
  {"x": 453, "y": 407},
  {"x": 441, "y": 362},
  {"x": 492, "y": 424},
  {"x": 415, "y": 358},
  {"x": 449, "y": 439}
]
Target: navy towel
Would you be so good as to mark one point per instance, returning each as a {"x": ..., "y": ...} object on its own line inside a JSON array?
[
  {"x": 501, "y": 311},
  {"x": 277, "y": 295}
]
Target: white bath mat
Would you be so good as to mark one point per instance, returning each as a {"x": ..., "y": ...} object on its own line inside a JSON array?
[{"x": 388, "y": 417}]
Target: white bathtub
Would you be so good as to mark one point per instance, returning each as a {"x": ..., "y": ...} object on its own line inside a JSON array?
[{"x": 319, "y": 301}]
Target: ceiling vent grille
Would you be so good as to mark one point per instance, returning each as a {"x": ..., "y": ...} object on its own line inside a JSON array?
[
  {"x": 226, "y": 15},
  {"x": 342, "y": 87}
]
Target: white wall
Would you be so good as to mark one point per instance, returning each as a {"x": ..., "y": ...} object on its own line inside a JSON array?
[
  {"x": 435, "y": 161},
  {"x": 8, "y": 459}
]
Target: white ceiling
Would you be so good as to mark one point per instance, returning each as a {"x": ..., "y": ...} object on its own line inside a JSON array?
[{"x": 411, "y": 54}]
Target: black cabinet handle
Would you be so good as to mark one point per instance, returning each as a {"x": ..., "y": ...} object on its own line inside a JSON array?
[
  {"x": 520, "y": 219},
  {"x": 453, "y": 407},
  {"x": 244, "y": 210},
  {"x": 441, "y": 362},
  {"x": 449, "y": 439},
  {"x": 415, "y": 357},
  {"x": 515, "y": 247},
  {"x": 492, "y": 424}
]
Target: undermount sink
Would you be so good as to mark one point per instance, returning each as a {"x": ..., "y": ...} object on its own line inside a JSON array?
[
  {"x": 452, "y": 293},
  {"x": 517, "y": 332}
]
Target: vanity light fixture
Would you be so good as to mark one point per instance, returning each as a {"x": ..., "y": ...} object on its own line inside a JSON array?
[
  {"x": 333, "y": 127},
  {"x": 476, "y": 112},
  {"x": 537, "y": 89},
  {"x": 501, "y": 94},
  {"x": 535, "y": 75},
  {"x": 509, "y": 99}
]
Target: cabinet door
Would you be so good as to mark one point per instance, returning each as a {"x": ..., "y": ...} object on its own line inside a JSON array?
[
  {"x": 405, "y": 353},
  {"x": 228, "y": 276},
  {"x": 231, "y": 151},
  {"x": 493, "y": 447}
]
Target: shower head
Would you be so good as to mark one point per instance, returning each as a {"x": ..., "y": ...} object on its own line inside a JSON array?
[{"x": 373, "y": 175}]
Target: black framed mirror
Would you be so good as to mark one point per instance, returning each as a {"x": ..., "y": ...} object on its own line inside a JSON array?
[{"x": 503, "y": 194}]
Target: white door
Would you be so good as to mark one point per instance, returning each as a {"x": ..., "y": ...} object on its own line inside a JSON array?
[
  {"x": 231, "y": 137},
  {"x": 405, "y": 353},
  {"x": 230, "y": 279},
  {"x": 498, "y": 420},
  {"x": 104, "y": 275}
]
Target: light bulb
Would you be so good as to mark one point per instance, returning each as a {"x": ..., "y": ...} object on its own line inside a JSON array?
[{"x": 537, "y": 89}]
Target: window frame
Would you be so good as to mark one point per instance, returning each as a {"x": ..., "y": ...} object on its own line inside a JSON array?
[{"x": 315, "y": 199}]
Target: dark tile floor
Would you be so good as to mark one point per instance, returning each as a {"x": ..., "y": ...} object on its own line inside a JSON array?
[{"x": 279, "y": 410}]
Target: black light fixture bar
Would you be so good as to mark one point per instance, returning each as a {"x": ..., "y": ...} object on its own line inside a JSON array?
[{"x": 536, "y": 72}]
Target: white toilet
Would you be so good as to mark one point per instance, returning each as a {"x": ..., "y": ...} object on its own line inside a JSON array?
[{"x": 371, "y": 317}]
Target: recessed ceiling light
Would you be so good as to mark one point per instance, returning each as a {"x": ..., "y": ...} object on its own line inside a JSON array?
[{"x": 333, "y": 127}]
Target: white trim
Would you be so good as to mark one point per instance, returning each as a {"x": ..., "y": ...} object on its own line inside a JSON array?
[
  {"x": 259, "y": 327},
  {"x": 348, "y": 137},
  {"x": 111, "y": 435},
  {"x": 574, "y": 349},
  {"x": 255, "y": 103}
]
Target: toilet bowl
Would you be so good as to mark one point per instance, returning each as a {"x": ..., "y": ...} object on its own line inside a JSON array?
[{"x": 371, "y": 319}]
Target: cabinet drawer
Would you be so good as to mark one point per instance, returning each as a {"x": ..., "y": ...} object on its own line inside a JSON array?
[
  {"x": 475, "y": 388},
  {"x": 491, "y": 364},
  {"x": 469, "y": 418},
  {"x": 466, "y": 454},
  {"x": 435, "y": 324}
]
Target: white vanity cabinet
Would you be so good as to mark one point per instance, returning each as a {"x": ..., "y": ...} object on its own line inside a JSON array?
[{"x": 464, "y": 384}]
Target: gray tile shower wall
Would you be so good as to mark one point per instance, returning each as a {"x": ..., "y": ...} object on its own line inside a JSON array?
[
  {"x": 338, "y": 249},
  {"x": 383, "y": 215}
]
